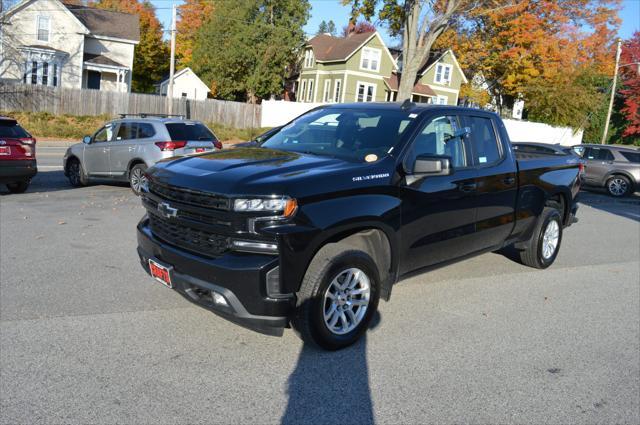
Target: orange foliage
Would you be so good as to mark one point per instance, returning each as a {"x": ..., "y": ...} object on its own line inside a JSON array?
[{"x": 191, "y": 15}]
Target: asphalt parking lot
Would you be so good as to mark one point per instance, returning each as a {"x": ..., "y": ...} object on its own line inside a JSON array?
[{"x": 87, "y": 337}]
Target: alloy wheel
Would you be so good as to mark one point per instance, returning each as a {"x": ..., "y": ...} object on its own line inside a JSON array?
[
  {"x": 138, "y": 180},
  {"x": 618, "y": 187},
  {"x": 346, "y": 301},
  {"x": 550, "y": 239}
]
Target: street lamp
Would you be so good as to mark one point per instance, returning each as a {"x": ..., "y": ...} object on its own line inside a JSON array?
[{"x": 613, "y": 88}]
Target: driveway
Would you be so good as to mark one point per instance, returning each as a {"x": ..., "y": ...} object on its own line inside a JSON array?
[{"x": 87, "y": 336}]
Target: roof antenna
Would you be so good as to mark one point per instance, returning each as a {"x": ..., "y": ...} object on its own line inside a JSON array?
[{"x": 407, "y": 104}]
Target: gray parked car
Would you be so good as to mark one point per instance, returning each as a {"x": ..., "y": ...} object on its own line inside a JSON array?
[
  {"x": 615, "y": 168},
  {"x": 124, "y": 148}
]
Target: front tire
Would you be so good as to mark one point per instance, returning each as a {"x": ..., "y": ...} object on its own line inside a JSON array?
[
  {"x": 337, "y": 299},
  {"x": 18, "y": 187},
  {"x": 75, "y": 174},
  {"x": 543, "y": 247},
  {"x": 618, "y": 186}
]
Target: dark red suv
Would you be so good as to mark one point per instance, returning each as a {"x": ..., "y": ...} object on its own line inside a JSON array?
[{"x": 17, "y": 156}]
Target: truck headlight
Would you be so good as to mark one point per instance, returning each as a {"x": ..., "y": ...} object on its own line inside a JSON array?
[{"x": 287, "y": 206}]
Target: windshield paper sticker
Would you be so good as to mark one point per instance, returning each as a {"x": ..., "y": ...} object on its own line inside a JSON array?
[{"x": 371, "y": 177}]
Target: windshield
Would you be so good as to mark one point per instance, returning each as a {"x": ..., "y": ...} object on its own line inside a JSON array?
[{"x": 353, "y": 134}]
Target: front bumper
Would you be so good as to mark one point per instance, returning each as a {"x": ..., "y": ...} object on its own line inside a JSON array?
[
  {"x": 17, "y": 170},
  {"x": 239, "y": 277}
]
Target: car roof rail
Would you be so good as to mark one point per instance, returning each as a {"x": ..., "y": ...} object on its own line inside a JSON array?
[{"x": 147, "y": 114}]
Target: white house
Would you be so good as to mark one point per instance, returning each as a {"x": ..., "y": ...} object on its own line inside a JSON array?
[
  {"x": 52, "y": 43},
  {"x": 185, "y": 84}
]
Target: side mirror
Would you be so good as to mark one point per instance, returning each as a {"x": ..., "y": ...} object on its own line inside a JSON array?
[
  {"x": 86, "y": 140},
  {"x": 432, "y": 165}
]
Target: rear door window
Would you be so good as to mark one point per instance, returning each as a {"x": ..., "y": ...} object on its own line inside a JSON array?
[
  {"x": 145, "y": 130},
  {"x": 10, "y": 129},
  {"x": 189, "y": 131},
  {"x": 484, "y": 143},
  {"x": 631, "y": 156},
  {"x": 127, "y": 131}
]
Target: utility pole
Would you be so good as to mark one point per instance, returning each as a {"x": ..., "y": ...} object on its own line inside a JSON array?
[
  {"x": 173, "y": 58},
  {"x": 613, "y": 92}
]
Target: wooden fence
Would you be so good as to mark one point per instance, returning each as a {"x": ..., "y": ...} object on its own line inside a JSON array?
[{"x": 58, "y": 100}]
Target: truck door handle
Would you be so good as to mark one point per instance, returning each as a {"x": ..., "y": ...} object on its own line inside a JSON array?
[
  {"x": 467, "y": 187},
  {"x": 509, "y": 181}
]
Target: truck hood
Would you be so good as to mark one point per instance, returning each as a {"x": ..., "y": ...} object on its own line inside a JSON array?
[{"x": 262, "y": 171}]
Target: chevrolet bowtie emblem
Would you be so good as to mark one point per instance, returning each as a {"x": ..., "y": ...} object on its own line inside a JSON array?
[{"x": 167, "y": 210}]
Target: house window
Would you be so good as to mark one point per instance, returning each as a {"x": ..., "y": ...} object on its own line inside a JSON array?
[
  {"x": 45, "y": 73},
  {"x": 338, "y": 86},
  {"x": 370, "y": 59},
  {"x": 34, "y": 72},
  {"x": 443, "y": 74},
  {"x": 308, "y": 58},
  {"x": 366, "y": 92},
  {"x": 303, "y": 90},
  {"x": 442, "y": 100},
  {"x": 310, "y": 93},
  {"x": 43, "y": 27},
  {"x": 55, "y": 75},
  {"x": 327, "y": 91}
]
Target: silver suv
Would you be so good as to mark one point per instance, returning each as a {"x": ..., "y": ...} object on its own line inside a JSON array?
[
  {"x": 124, "y": 148},
  {"x": 615, "y": 168}
]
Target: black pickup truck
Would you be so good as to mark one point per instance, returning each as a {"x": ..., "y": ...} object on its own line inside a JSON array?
[{"x": 313, "y": 226}]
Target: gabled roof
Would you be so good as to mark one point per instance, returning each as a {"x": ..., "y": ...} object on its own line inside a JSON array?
[
  {"x": 183, "y": 71},
  {"x": 434, "y": 57},
  {"x": 327, "y": 48},
  {"x": 107, "y": 23}
]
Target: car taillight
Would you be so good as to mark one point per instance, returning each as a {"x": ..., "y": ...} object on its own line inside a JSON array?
[
  {"x": 172, "y": 145},
  {"x": 28, "y": 141},
  {"x": 580, "y": 167},
  {"x": 28, "y": 145},
  {"x": 217, "y": 144}
]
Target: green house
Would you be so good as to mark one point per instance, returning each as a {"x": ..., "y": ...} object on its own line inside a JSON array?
[
  {"x": 360, "y": 68},
  {"x": 350, "y": 69}
]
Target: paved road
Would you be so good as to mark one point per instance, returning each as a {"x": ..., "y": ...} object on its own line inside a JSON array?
[{"x": 86, "y": 336}]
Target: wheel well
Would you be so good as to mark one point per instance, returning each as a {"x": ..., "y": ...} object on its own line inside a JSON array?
[
  {"x": 372, "y": 241},
  {"x": 561, "y": 200},
  {"x": 69, "y": 161},
  {"x": 132, "y": 164}
]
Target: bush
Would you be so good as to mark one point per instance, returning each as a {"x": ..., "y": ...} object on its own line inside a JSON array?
[{"x": 46, "y": 125}]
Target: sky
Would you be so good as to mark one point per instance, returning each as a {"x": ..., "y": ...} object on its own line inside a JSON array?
[{"x": 333, "y": 10}]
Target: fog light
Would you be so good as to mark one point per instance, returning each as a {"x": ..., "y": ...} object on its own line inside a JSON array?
[
  {"x": 273, "y": 284},
  {"x": 219, "y": 299}
]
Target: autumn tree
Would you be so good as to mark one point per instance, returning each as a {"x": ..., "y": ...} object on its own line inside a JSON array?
[
  {"x": 357, "y": 28},
  {"x": 420, "y": 23},
  {"x": 151, "y": 58},
  {"x": 630, "y": 89},
  {"x": 243, "y": 50},
  {"x": 191, "y": 15}
]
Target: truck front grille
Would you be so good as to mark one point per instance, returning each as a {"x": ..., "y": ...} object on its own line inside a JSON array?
[
  {"x": 188, "y": 238},
  {"x": 192, "y": 197}
]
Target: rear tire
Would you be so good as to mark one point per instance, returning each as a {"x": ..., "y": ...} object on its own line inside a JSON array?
[
  {"x": 18, "y": 187},
  {"x": 337, "y": 299},
  {"x": 75, "y": 174},
  {"x": 543, "y": 247},
  {"x": 618, "y": 186},
  {"x": 137, "y": 178}
]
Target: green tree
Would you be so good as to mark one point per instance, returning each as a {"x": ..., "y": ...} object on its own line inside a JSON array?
[
  {"x": 323, "y": 28},
  {"x": 151, "y": 57},
  {"x": 243, "y": 50},
  {"x": 331, "y": 28}
]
